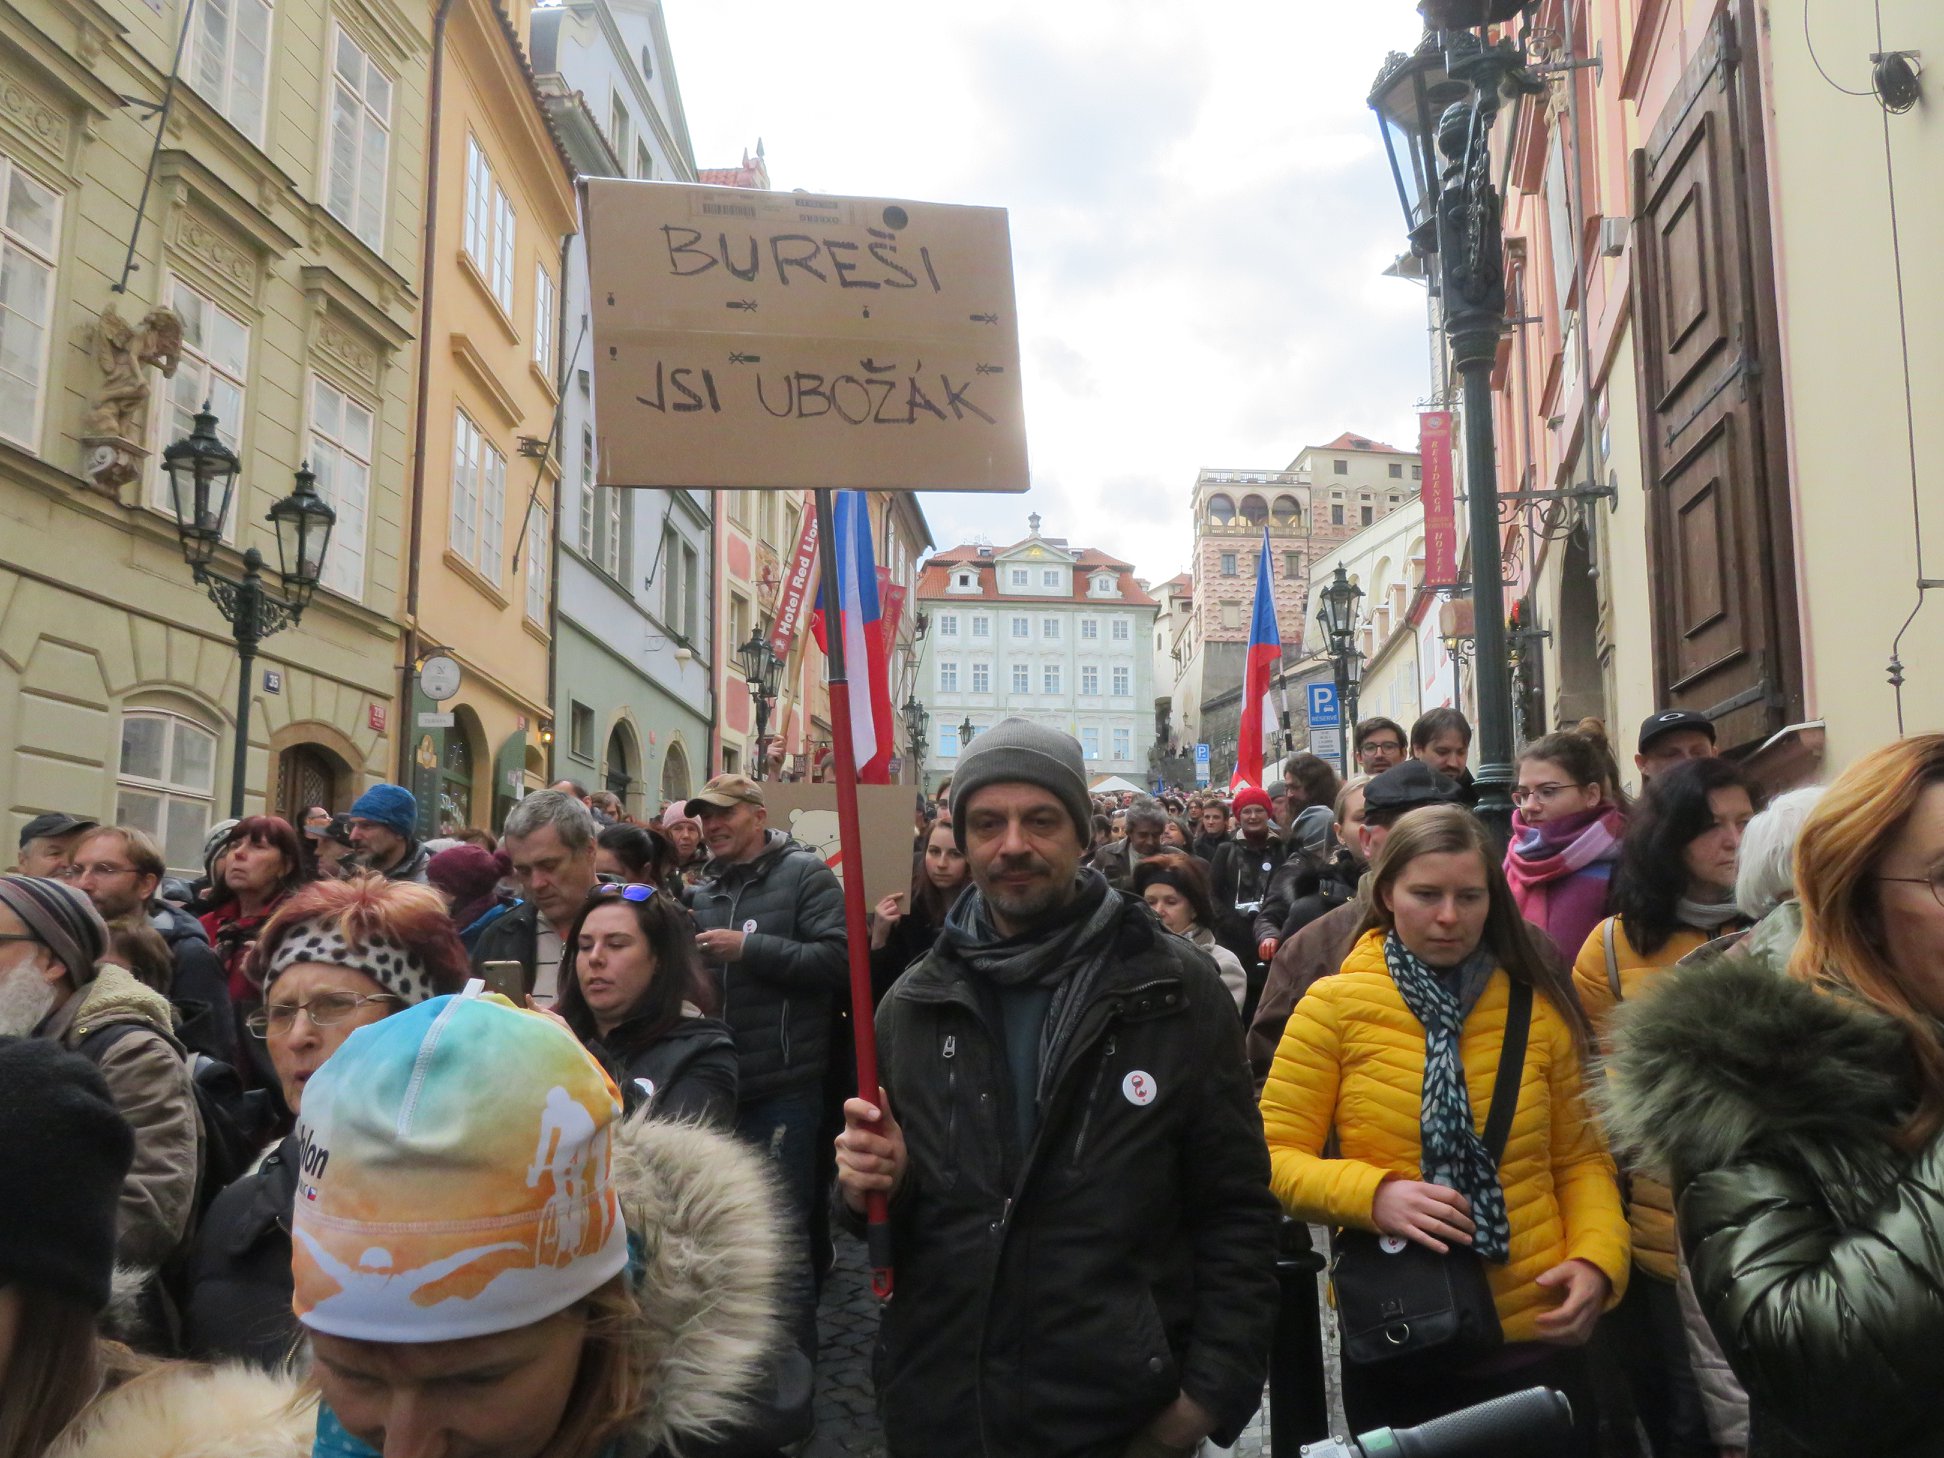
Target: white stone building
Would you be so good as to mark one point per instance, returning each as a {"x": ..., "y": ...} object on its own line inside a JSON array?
[{"x": 1040, "y": 630}]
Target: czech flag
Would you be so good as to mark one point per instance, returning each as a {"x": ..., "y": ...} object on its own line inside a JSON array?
[
  {"x": 867, "y": 659},
  {"x": 1257, "y": 731}
]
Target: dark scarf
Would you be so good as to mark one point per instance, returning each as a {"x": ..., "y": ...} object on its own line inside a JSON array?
[
  {"x": 1065, "y": 953},
  {"x": 1453, "y": 1153}
]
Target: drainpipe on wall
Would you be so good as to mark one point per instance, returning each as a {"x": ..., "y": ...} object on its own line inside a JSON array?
[{"x": 434, "y": 95}]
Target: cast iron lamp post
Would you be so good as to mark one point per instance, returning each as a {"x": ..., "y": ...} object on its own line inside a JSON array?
[
  {"x": 762, "y": 669},
  {"x": 1447, "y": 93},
  {"x": 202, "y": 480},
  {"x": 1336, "y": 610},
  {"x": 917, "y": 721}
]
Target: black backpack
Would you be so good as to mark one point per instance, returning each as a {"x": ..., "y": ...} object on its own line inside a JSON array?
[{"x": 237, "y": 1123}]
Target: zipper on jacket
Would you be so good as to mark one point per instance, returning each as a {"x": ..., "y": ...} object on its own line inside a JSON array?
[
  {"x": 786, "y": 1032},
  {"x": 950, "y": 1055},
  {"x": 1093, "y": 1097}
]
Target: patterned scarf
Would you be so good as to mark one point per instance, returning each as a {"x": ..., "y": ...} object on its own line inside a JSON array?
[{"x": 1453, "y": 1153}]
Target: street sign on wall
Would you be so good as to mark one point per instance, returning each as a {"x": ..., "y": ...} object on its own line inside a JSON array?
[
  {"x": 794, "y": 341},
  {"x": 1324, "y": 710},
  {"x": 1201, "y": 764}
]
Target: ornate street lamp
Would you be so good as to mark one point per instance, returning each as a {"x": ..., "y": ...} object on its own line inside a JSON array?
[
  {"x": 1459, "y": 218},
  {"x": 917, "y": 722},
  {"x": 1337, "y": 610},
  {"x": 966, "y": 732},
  {"x": 762, "y": 670},
  {"x": 202, "y": 481}
]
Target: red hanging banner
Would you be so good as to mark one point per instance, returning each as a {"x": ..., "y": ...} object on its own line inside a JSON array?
[
  {"x": 1440, "y": 503},
  {"x": 794, "y": 595}
]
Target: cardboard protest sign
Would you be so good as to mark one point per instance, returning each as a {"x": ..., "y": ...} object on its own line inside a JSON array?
[
  {"x": 809, "y": 812},
  {"x": 766, "y": 340}
]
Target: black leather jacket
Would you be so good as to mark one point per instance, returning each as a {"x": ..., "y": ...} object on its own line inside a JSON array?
[{"x": 237, "y": 1290}]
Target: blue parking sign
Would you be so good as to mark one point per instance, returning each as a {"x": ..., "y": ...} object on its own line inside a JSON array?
[{"x": 1324, "y": 711}]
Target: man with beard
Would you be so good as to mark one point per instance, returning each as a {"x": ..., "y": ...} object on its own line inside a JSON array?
[
  {"x": 1084, "y": 1244},
  {"x": 53, "y": 985}
]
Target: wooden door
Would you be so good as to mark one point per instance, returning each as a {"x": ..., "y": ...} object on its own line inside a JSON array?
[{"x": 1720, "y": 547}]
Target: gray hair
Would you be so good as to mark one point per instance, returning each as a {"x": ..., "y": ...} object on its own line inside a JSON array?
[
  {"x": 1766, "y": 875},
  {"x": 572, "y": 821},
  {"x": 1147, "y": 815}
]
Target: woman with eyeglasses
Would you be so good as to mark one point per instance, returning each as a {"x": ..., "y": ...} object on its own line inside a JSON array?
[
  {"x": 1567, "y": 820},
  {"x": 1673, "y": 892},
  {"x": 634, "y": 994},
  {"x": 336, "y": 956},
  {"x": 1796, "y": 1104}
]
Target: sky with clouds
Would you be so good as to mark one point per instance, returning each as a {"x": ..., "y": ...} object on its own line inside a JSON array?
[{"x": 1200, "y": 210}]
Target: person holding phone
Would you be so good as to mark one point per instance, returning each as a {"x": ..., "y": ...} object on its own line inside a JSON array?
[
  {"x": 905, "y": 924},
  {"x": 337, "y": 956}
]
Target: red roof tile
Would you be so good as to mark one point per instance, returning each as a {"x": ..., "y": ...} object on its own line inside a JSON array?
[
  {"x": 933, "y": 581},
  {"x": 1349, "y": 442}
]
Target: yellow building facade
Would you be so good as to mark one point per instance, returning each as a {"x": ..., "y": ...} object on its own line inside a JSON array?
[
  {"x": 276, "y": 226},
  {"x": 501, "y": 203}
]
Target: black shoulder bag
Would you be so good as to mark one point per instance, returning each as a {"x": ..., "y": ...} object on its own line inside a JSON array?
[{"x": 1396, "y": 1298}]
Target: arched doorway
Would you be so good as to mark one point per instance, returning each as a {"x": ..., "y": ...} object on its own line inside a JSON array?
[
  {"x": 675, "y": 773},
  {"x": 458, "y": 768},
  {"x": 1582, "y": 685},
  {"x": 309, "y": 774},
  {"x": 621, "y": 775}
]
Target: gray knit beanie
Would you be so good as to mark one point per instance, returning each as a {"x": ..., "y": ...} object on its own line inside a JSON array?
[{"x": 1018, "y": 751}]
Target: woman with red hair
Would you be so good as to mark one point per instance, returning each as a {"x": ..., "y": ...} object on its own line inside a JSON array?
[
  {"x": 1798, "y": 1114},
  {"x": 260, "y": 863},
  {"x": 335, "y": 956}
]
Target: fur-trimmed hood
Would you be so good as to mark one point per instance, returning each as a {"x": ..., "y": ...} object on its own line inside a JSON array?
[
  {"x": 1731, "y": 1059},
  {"x": 711, "y": 1239}
]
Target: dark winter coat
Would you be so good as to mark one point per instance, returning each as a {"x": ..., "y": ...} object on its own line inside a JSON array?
[
  {"x": 909, "y": 940},
  {"x": 1813, "y": 1241},
  {"x": 412, "y": 865},
  {"x": 1054, "y": 1307},
  {"x": 1239, "y": 877},
  {"x": 1302, "y": 889},
  {"x": 1203, "y": 847},
  {"x": 687, "y": 1073},
  {"x": 237, "y": 1289},
  {"x": 199, "y": 991},
  {"x": 513, "y": 936},
  {"x": 777, "y": 998}
]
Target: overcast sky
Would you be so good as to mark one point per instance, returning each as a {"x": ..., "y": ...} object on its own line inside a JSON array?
[{"x": 1200, "y": 213}]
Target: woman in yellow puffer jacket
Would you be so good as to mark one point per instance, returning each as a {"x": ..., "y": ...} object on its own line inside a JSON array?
[{"x": 1397, "y": 1056}]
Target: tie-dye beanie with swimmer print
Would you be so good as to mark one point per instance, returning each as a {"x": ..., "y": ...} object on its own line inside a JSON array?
[{"x": 454, "y": 1176}]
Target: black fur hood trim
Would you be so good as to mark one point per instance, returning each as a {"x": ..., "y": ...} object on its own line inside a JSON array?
[{"x": 1733, "y": 1060}]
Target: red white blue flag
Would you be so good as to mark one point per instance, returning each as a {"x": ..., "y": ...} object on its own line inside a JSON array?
[
  {"x": 1257, "y": 731},
  {"x": 867, "y": 658}
]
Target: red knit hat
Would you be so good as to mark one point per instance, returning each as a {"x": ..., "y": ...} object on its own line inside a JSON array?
[{"x": 1252, "y": 795}]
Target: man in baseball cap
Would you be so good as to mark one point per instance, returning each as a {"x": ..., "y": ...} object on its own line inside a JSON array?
[
  {"x": 1671, "y": 736},
  {"x": 1056, "y": 1042},
  {"x": 47, "y": 844},
  {"x": 725, "y": 792}
]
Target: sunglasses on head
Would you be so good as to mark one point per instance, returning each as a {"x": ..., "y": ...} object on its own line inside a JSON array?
[{"x": 633, "y": 891}]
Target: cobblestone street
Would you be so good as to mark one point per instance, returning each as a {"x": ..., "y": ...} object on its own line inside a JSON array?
[{"x": 846, "y": 1411}]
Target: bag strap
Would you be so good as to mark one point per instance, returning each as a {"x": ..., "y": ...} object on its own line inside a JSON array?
[
  {"x": 1612, "y": 959},
  {"x": 1505, "y": 1093}
]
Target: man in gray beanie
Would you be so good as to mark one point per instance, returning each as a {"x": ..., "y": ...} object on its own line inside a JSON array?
[
  {"x": 54, "y": 985},
  {"x": 1071, "y": 1148}
]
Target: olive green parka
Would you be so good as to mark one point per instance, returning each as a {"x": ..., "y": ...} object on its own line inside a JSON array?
[{"x": 1816, "y": 1245}]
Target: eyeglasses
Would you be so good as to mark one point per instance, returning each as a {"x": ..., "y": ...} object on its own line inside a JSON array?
[
  {"x": 1935, "y": 880},
  {"x": 326, "y": 1010},
  {"x": 1544, "y": 794},
  {"x": 1382, "y": 746},
  {"x": 64, "y": 873},
  {"x": 18, "y": 937},
  {"x": 633, "y": 891},
  {"x": 102, "y": 868}
]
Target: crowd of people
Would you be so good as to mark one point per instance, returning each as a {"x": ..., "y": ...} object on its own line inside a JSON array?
[{"x": 537, "y": 1147}]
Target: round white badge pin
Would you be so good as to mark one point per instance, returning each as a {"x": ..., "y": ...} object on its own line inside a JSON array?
[
  {"x": 1391, "y": 1244},
  {"x": 1138, "y": 1088},
  {"x": 749, "y": 926},
  {"x": 647, "y": 1087}
]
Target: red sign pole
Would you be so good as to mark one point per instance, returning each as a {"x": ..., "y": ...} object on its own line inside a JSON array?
[
  {"x": 850, "y": 833},
  {"x": 1440, "y": 502}
]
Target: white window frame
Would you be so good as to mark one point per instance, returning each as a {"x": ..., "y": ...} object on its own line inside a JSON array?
[
  {"x": 1123, "y": 744},
  {"x": 505, "y": 245},
  {"x": 620, "y": 128},
  {"x": 18, "y": 251},
  {"x": 948, "y": 676},
  {"x": 1123, "y": 682},
  {"x": 1050, "y": 678},
  {"x": 1022, "y": 628},
  {"x": 1090, "y": 630},
  {"x": 1121, "y": 632},
  {"x": 247, "y": 114},
  {"x": 1019, "y": 577},
  {"x": 585, "y": 535},
  {"x": 1089, "y": 681},
  {"x": 612, "y": 535},
  {"x": 343, "y": 480},
  {"x": 366, "y": 213},
  {"x": 948, "y": 625},
  {"x": 982, "y": 678},
  {"x": 1022, "y": 678},
  {"x": 1050, "y": 629},
  {"x": 546, "y": 322},
  {"x": 194, "y": 383},
  {"x": 491, "y": 230},
  {"x": 1090, "y": 742},
  {"x": 165, "y": 791},
  {"x": 538, "y": 564},
  {"x": 981, "y": 625},
  {"x": 477, "y": 527},
  {"x": 948, "y": 745},
  {"x": 1050, "y": 577}
]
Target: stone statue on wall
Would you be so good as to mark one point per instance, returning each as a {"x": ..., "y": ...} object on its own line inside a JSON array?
[{"x": 117, "y": 418}]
